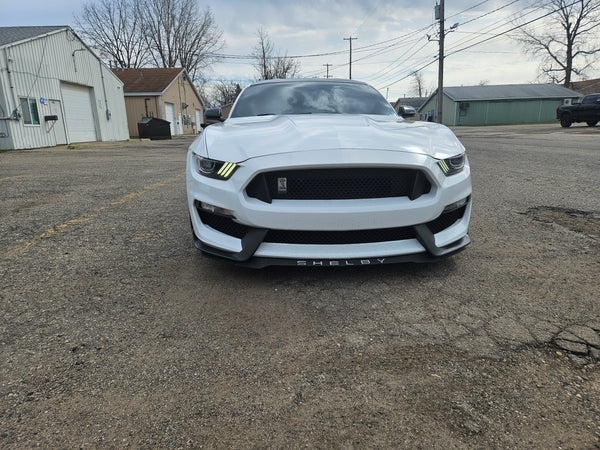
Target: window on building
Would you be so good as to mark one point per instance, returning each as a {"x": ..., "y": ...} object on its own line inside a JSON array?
[{"x": 29, "y": 110}]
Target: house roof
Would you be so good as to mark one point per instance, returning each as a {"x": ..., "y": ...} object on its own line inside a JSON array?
[
  {"x": 415, "y": 102},
  {"x": 587, "y": 86},
  {"x": 147, "y": 80},
  {"x": 8, "y": 35},
  {"x": 508, "y": 92}
]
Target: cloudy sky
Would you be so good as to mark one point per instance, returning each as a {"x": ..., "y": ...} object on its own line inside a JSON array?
[{"x": 392, "y": 38}]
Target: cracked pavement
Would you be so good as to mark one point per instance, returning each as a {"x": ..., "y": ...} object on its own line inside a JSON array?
[{"x": 115, "y": 332}]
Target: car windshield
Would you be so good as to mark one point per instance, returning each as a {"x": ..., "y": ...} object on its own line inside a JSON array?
[
  {"x": 590, "y": 99},
  {"x": 310, "y": 97}
]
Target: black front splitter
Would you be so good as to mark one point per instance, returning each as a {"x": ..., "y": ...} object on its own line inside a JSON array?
[{"x": 255, "y": 262}]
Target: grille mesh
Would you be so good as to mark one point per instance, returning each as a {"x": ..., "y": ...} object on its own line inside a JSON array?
[{"x": 337, "y": 184}]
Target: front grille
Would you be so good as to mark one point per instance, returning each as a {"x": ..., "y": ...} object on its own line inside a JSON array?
[{"x": 338, "y": 184}]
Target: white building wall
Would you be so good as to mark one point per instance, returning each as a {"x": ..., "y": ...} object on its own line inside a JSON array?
[
  {"x": 36, "y": 68},
  {"x": 5, "y": 111}
]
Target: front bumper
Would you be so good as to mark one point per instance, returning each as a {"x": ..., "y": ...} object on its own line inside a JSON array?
[
  {"x": 253, "y": 240},
  {"x": 251, "y": 244}
]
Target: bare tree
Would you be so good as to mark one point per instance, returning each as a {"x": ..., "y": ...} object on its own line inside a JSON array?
[
  {"x": 179, "y": 34},
  {"x": 224, "y": 93},
  {"x": 568, "y": 42},
  {"x": 269, "y": 65},
  {"x": 114, "y": 28},
  {"x": 167, "y": 33},
  {"x": 418, "y": 83},
  {"x": 262, "y": 52}
]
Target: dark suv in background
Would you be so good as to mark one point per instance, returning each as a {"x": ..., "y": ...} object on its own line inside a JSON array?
[{"x": 587, "y": 111}]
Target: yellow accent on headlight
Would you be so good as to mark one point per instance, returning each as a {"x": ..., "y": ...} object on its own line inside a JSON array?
[
  {"x": 221, "y": 170},
  {"x": 452, "y": 165},
  {"x": 227, "y": 169},
  {"x": 444, "y": 166}
]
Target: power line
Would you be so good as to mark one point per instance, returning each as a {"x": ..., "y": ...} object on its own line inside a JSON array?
[
  {"x": 389, "y": 68},
  {"x": 367, "y": 15},
  {"x": 490, "y": 12},
  {"x": 339, "y": 52},
  {"x": 396, "y": 62},
  {"x": 498, "y": 24},
  {"x": 479, "y": 42},
  {"x": 468, "y": 9},
  {"x": 381, "y": 47}
]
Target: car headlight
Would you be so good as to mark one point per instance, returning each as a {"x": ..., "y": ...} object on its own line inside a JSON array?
[
  {"x": 452, "y": 165},
  {"x": 221, "y": 170}
]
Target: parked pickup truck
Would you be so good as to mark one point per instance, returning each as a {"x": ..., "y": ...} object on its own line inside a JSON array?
[{"x": 587, "y": 111}]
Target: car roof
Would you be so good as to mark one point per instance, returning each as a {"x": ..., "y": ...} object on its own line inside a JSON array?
[{"x": 309, "y": 80}]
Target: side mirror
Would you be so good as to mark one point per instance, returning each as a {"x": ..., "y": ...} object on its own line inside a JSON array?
[
  {"x": 213, "y": 114},
  {"x": 407, "y": 111}
]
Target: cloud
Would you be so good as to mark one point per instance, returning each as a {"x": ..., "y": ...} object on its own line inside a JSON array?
[{"x": 319, "y": 26}]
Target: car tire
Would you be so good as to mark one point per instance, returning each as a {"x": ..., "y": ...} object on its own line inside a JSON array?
[
  {"x": 591, "y": 123},
  {"x": 566, "y": 120}
]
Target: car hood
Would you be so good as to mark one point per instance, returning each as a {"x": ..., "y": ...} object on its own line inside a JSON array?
[{"x": 240, "y": 139}]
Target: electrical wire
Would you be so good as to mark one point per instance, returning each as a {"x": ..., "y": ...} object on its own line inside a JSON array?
[
  {"x": 20, "y": 105},
  {"x": 399, "y": 60},
  {"x": 478, "y": 43},
  {"x": 495, "y": 25},
  {"x": 394, "y": 44}
]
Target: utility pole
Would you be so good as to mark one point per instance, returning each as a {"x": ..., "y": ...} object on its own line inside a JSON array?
[
  {"x": 440, "y": 94},
  {"x": 350, "y": 39},
  {"x": 328, "y": 66}
]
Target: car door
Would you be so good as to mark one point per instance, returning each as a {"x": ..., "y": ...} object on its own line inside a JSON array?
[
  {"x": 596, "y": 107},
  {"x": 589, "y": 108}
]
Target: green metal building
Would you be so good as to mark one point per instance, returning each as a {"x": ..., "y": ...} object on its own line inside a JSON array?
[{"x": 501, "y": 104}]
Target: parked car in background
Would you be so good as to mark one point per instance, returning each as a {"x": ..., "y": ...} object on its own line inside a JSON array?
[
  {"x": 587, "y": 111},
  {"x": 324, "y": 173}
]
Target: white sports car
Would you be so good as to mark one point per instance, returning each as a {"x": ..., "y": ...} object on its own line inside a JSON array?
[{"x": 324, "y": 173}]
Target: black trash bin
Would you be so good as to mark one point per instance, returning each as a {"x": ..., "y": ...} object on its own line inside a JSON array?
[{"x": 154, "y": 128}]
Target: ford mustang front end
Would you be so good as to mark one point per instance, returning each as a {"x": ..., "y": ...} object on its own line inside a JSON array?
[{"x": 323, "y": 173}]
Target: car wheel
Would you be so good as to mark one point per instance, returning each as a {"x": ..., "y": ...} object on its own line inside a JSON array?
[
  {"x": 591, "y": 123},
  {"x": 566, "y": 121}
]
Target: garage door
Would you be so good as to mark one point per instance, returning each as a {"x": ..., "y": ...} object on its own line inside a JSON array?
[
  {"x": 79, "y": 115},
  {"x": 170, "y": 113}
]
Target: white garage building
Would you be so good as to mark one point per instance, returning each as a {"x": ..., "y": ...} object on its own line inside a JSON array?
[{"x": 54, "y": 90}]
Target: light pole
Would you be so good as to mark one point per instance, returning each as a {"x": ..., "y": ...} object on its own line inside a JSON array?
[
  {"x": 439, "y": 15},
  {"x": 350, "y": 39},
  {"x": 440, "y": 98}
]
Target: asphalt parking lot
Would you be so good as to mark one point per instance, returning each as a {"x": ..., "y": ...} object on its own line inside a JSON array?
[{"x": 115, "y": 332}]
